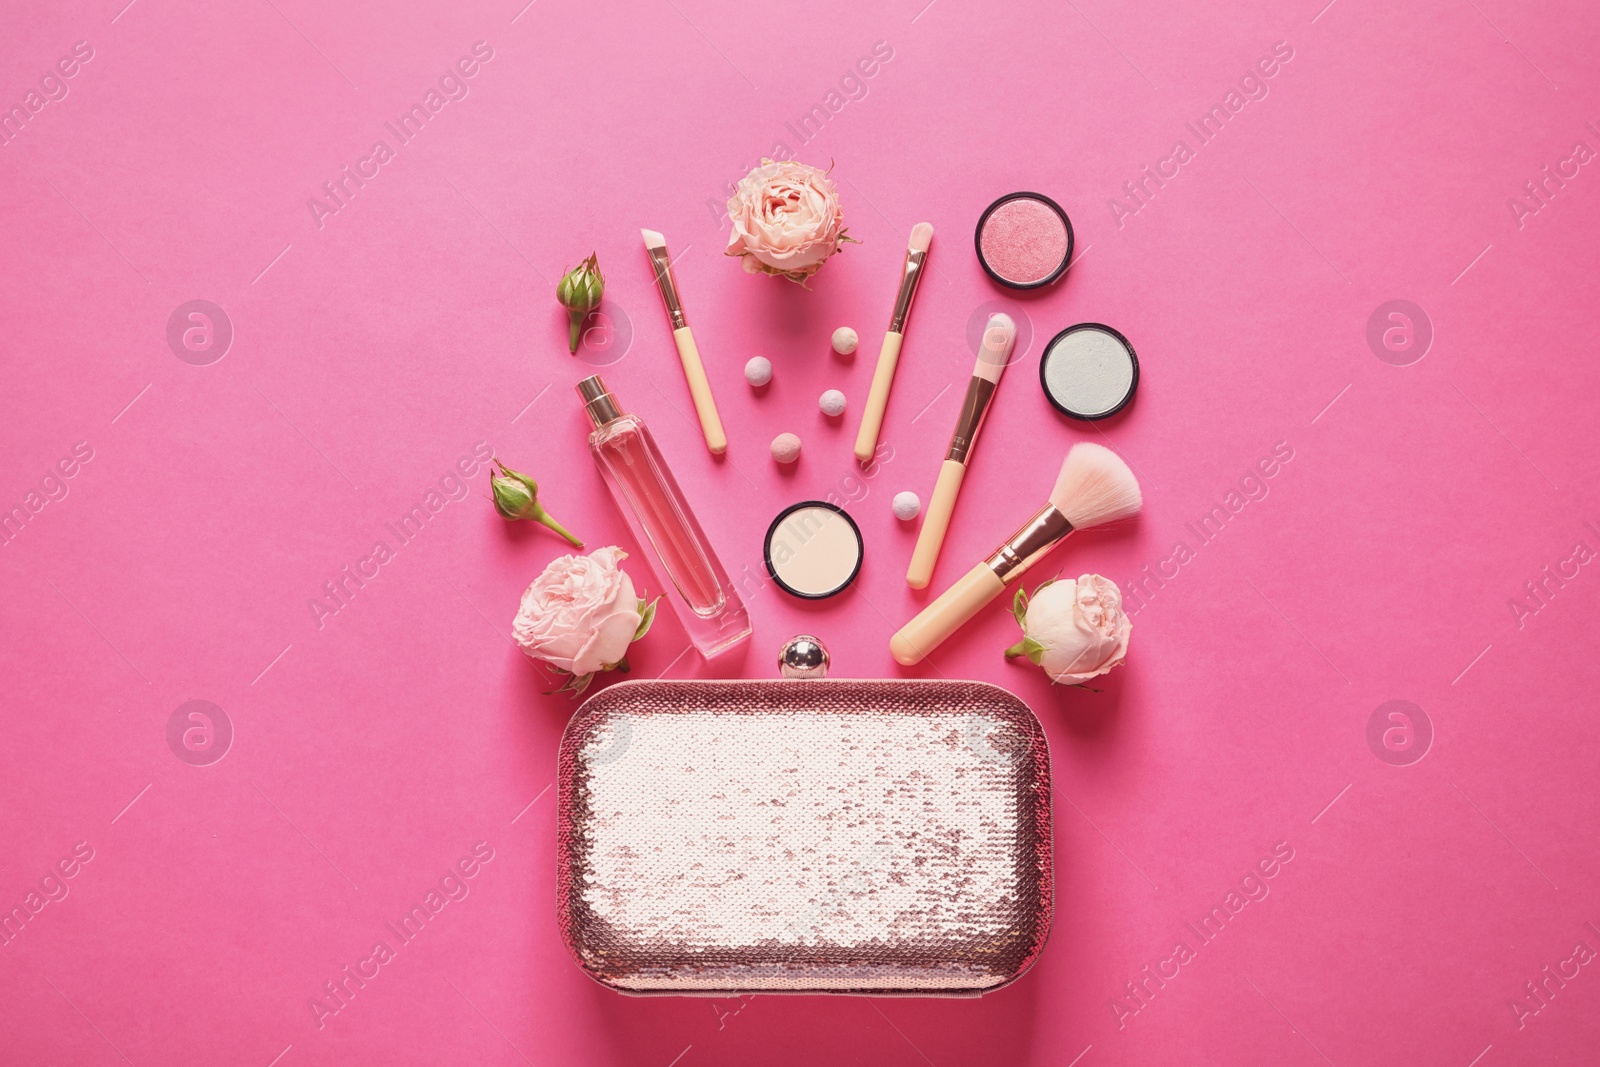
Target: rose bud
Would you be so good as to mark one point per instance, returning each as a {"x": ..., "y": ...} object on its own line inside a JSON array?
[
  {"x": 1074, "y": 630},
  {"x": 579, "y": 291},
  {"x": 516, "y": 496}
]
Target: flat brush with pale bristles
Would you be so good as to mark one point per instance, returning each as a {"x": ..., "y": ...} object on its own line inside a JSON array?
[
  {"x": 889, "y": 358},
  {"x": 1094, "y": 487},
  {"x": 993, "y": 355},
  {"x": 694, "y": 372}
]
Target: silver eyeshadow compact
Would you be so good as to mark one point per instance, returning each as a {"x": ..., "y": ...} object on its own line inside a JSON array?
[
  {"x": 1024, "y": 240},
  {"x": 1089, "y": 371},
  {"x": 813, "y": 550}
]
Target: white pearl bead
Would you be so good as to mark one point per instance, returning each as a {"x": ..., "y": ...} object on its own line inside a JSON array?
[
  {"x": 758, "y": 371},
  {"x": 845, "y": 340},
  {"x": 907, "y": 506},
  {"x": 831, "y": 403}
]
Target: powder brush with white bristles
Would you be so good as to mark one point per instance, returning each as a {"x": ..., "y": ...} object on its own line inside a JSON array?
[{"x": 1094, "y": 487}]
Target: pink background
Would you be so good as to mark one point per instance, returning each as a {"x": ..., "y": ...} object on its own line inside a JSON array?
[{"x": 371, "y": 353}]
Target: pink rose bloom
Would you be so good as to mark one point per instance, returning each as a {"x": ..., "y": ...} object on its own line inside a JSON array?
[
  {"x": 1079, "y": 628},
  {"x": 786, "y": 220},
  {"x": 581, "y": 614}
]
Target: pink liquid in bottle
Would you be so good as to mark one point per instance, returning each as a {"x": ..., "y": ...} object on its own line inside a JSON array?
[{"x": 661, "y": 519}]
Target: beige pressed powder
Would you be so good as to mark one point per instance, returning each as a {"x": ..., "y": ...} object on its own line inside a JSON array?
[{"x": 813, "y": 550}]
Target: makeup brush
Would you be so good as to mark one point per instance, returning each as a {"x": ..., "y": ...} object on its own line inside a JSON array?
[
  {"x": 1093, "y": 488},
  {"x": 993, "y": 354},
  {"x": 693, "y": 370},
  {"x": 883, "y": 375}
]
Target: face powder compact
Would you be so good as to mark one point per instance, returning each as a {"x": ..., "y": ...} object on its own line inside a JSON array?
[
  {"x": 1024, "y": 240},
  {"x": 1089, "y": 371},
  {"x": 813, "y": 550}
]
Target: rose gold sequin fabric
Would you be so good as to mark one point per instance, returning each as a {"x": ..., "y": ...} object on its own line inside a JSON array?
[{"x": 809, "y": 836}]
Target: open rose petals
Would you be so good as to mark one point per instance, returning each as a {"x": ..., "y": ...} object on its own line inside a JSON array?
[{"x": 786, "y": 220}]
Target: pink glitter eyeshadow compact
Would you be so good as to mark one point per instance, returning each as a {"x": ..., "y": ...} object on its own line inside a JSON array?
[
  {"x": 804, "y": 835},
  {"x": 1024, "y": 240}
]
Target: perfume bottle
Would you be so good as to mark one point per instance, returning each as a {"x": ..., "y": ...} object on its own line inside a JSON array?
[{"x": 660, "y": 517}]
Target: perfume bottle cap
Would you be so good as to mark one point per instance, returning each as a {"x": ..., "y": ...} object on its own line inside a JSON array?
[{"x": 598, "y": 402}]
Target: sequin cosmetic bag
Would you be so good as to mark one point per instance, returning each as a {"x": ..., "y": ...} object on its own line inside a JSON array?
[{"x": 804, "y": 835}]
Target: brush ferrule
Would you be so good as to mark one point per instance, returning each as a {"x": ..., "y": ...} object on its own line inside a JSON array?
[
  {"x": 980, "y": 391},
  {"x": 661, "y": 263},
  {"x": 1025, "y": 547},
  {"x": 909, "y": 279}
]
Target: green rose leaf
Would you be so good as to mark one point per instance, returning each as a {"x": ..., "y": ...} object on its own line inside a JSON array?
[
  {"x": 647, "y": 615},
  {"x": 1026, "y": 647}
]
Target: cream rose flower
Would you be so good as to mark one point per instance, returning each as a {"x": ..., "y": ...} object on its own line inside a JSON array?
[
  {"x": 786, "y": 220},
  {"x": 581, "y": 615},
  {"x": 1074, "y": 630}
]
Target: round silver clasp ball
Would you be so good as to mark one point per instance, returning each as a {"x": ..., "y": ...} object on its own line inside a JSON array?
[{"x": 803, "y": 657}]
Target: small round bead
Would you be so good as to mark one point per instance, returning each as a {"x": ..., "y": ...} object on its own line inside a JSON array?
[
  {"x": 845, "y": 340},
  {"x": 786, "y": 448},
  {"x": 831, "y": 403},
  {"x": 758, "y": 371},
  {"x": 906, "y": 506}
]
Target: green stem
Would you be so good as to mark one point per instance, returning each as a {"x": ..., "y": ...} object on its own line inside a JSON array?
[
  {"x": 1016, "y": 650},
  {"x": 574, "y": 330},
  {"x": 540, "y": 515}
]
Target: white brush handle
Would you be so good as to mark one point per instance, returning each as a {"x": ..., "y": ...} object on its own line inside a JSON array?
[
  {"x": 931, "y": 537},
  {"x": 945, "y": 616},
  {"x": 878, "y": 396}
]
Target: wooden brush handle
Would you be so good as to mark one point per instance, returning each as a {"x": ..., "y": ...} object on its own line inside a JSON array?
[
  {"x": 931, "y": 537},
  {"x": 944, "y": 616},
  {"x": 878, "y": 396},
  {"x": 700, "y": 389}
]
